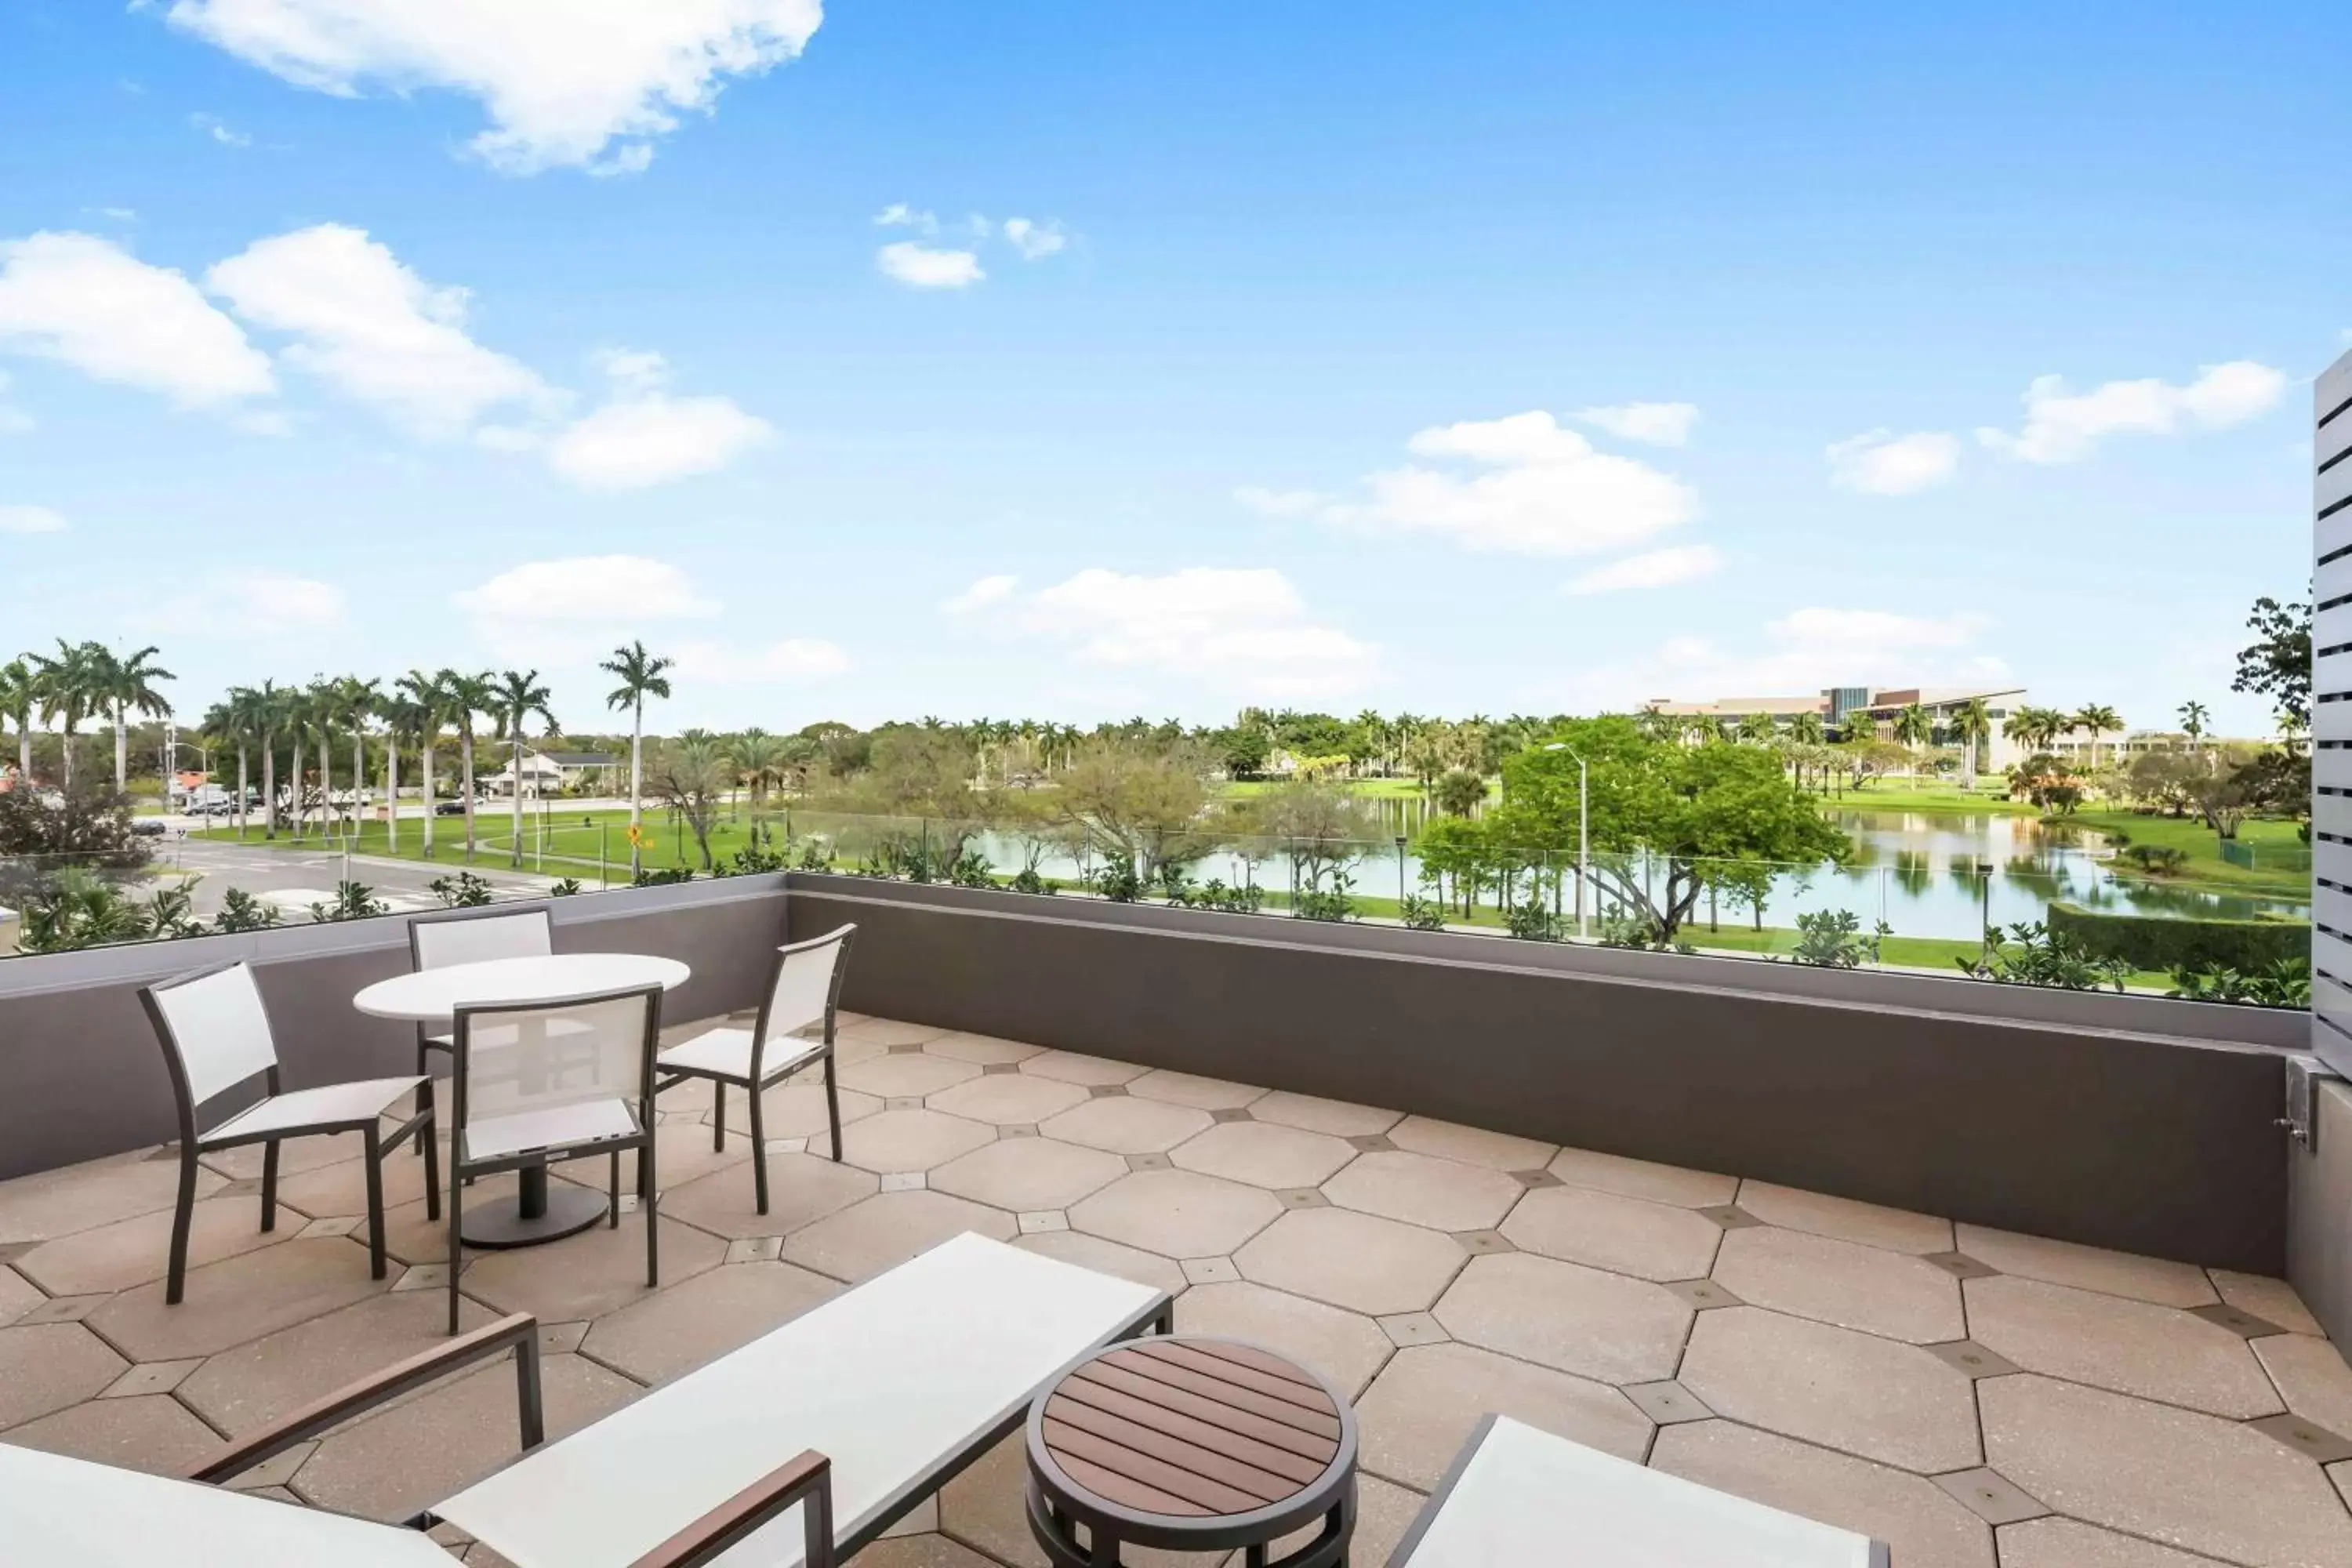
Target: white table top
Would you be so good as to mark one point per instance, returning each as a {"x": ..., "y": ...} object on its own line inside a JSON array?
[
  {"x": 434, "y": 996},
  {"x": 1524, "y": 1494}
]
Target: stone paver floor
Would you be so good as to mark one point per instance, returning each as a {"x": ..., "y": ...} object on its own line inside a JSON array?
[{"x": 1978, "y": 1399}]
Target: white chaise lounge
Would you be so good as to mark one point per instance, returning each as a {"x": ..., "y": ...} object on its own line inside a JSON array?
[{"x": 1518, "y": 1495}]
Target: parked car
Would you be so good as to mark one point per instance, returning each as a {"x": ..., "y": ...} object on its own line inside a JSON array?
[
  {"x": 450, "y": 809},
  {"x": 147, "y": 827}
]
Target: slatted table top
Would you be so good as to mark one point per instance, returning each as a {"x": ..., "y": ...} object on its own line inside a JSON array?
[{"x": 1182, "y": 1428}]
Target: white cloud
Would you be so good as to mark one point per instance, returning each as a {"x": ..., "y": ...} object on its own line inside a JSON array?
[
  {"x": 1282, "y": 503},
  {"x": 1543, "y": 491},
  {"x": 1655, "y": 569},
  {"x": 926, "y": 266},
  {"x": 2062, "y": 426},
  {"x": 1661, "y": 423},
  {"x": 1034, "y": 241},
  {"x": 373, "y": 329},
  {"x": 562, "y": 81},
  {"x": 247, "y": 606},
  {"x": 980, "y": 594},
  {"x": 1246, "y": 630},
  {"x": 31, "y": 520},
  {"x": 88, "y": 302},
  {"x": 1798, "y": 654},
  {"x": 645, "y": 436},
  {"x": 794, "y": 659},
  {"x": 588, "y": 588},
  {"x": 1881, "y": 463},
  {"x": 214, "y": 127},
  {"x": 899, "y": 215}
]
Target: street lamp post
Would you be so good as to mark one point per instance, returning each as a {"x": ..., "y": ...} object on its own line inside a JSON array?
[{"x": 1583, "y": 832}]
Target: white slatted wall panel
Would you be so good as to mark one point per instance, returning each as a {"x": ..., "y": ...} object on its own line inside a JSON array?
[{"x": 2331, "y": 717}]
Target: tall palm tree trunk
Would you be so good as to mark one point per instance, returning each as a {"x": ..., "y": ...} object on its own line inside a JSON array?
[
  {"x": 514, "y": 770},
  {"x": 465, "y": 744},
  {"x": 391, "y": 793},
  {"x": 326, "y": 785},
  {"x": 359, "y": 771},
  {"x": 121, "y": 749},
  {"x": 24, "y": 748},
  {"x": 425, "y": 760},
  {"x": 240, "y": 792},
  {"x": 268, "y": 784},
  {"x": 636, "y": 783}
]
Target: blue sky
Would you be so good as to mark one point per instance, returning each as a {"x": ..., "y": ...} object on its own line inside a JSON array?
[{"x": 1505, "y": 357}]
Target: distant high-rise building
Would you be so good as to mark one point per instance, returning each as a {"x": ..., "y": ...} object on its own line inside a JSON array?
[{"x": 2331, "y": 719}]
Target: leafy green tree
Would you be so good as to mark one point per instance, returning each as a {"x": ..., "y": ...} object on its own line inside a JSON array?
[
  {"x": 1971, "y": 725},
  {"x": 1137, "y": 802},
  {"x": 1684, "y": 808},
  {"x": 428, "y": 710},
  {"x": 515, "y": 699},
  {"x": 2099, "y": 719},
  {"x": 468, "y": 699},
  {"x": 2193, "y": 716},
  {"x": 119, "y": 685},
  {"x": 2277, "y": 663},
  {"x": 641, "y": 675},
  {"x": 66, "y": 685},
  {"x": 18, "y": 698},
  {"x": 692, "y": 779},
  {"x": 1807, "y": 730},
  {"x": 1914, "y": 727},
  {"x": 1460, "y": 792},
  {"x": 1758, "y": 728}
]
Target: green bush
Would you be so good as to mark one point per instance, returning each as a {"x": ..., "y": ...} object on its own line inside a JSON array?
[{"x": 2149, "y": 942}]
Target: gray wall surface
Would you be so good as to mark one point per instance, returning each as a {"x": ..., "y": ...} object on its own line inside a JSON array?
[
  {"x": 1891, "y": 1088},
  {"x": 2319, "y": 1210},
  {"x": 84, "y": 1074},
  {"x": 2331, "y": 717}
]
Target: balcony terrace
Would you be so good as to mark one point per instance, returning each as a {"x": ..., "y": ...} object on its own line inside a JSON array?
[{"x": 1972, "y": 1396}]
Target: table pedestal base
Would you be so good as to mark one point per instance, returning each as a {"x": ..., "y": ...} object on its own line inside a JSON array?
[{"x": 546, "y": 1213}]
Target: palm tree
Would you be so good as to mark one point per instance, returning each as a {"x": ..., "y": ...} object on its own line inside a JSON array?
[
  {"x": 299, "y": 716},
  {"x": 272, "y": 711},
  {"x": 119, "y": 685},
  {"x": 356, "y": 702},
  {"x": 641, "y": 676},
  {"x": 17, "y": 698},
  {"x": 245, "y": 720},
  {"x": 422, "y": 693},
  {"x": 1757, "y": 728},
  {"x": 514, "y": 699},
  {"x": 404, "y": 719},
  {"x": 66, "y": 688},
  {"x": 2098, "y": 719},
  {"x": 759, "y": 757},
  {"x": 2192, "y": 723},
  {"x": 468, "y": 698},
  {"x": 1914, "y": 727},
  {"x": 1806, "y": 728},
  {"x": 1971, "y": 725}
]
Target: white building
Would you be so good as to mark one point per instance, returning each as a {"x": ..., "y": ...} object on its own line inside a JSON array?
[
  {"x": 551, "y": 772},
  {"x": 1841, "y": 708}
]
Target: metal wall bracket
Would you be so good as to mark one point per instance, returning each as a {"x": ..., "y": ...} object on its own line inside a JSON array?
[{"x": 2301, "y": 1121}]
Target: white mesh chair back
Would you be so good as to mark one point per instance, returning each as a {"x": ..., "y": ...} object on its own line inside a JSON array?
[
  {"x": 805, "y": 982},
  {"x": 545, "y": 1071},
  {"x": 215, "y": 1023},
  {"x": 477, "y": 939}
]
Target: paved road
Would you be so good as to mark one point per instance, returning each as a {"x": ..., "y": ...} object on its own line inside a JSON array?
[{"x": 295, "y": 878}]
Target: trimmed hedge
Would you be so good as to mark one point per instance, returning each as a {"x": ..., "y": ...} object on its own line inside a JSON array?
[{"x": 2153, "y": 942}]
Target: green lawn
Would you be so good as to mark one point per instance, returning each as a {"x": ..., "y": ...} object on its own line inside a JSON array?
[{"x": 1372, "y": 789}]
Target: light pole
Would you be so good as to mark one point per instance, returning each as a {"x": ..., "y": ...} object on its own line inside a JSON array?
[{"x": 1584, "y": 831}]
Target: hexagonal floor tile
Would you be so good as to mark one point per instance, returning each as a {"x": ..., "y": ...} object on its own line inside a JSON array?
[
  {"x": 801, "y": 1189},
  {"x": 712, "y": 1313},
  {"x": 1421, "y": 1189},
  {"x": 132, "y": 1251},
  {"x": 1190, "y": 1088},
  {"x": 1123, "y": 1124},
  {"x": 18, "y": 1296},
  {"x": 889, "y": 1032},
  {"x": 883, "y": 1232},
  {"x": 797, "y": 1110},
  {"x": 48, "y": 1366},
  {"x": 1841, "y": 1282},
  {"x": 2164, "y": 1473},
  {"x": 904, "y": 1075},
  {"x": 85, "y": 1196},
  {"x": 600, "y": 1271},
  {"x": 1856, "y": 1392},
  {"x": 1008, "y": 1098},
  {"x": 1423, "y": 1407},
  {"x": 2311, "y": 1373},
  {"x": 151, "y": 1432},
  {"x": 984, "y": 1050},
  {"x": 254, "y": 1383},
  {"x": 417, "y": 1452},
  {"x": 2055, "y": 1542},
  {"x": 1624, "y": 1236},
  {"x": 1177, "y": 1214},
  {"x": 1346, "y": 1347},
  {"x": 238, "y": 1299},
  {"x": 295, "y": 1155},
  {"x": 1897, "y": 1230},
  {"x": 1025, "y": 1174},
  {"x": 1336, "y": 1117},
  {"x": 2272, "y": 1300},
  {"x": 1471, "y": 1145},
  {"x": 2132, "y": 1347},
  {"x": 1263, "y": 1154},
  {"x": 1567, "y": 1316},
  {"x": 1359, "y": 1261},
  {"x": 2155, "y": 1279},
  {"x": 910, "y": 1139},
  {"x": 1107, "y": 1257},
  {"x": 1089, "y": 1073},
  {"x": 1922, "y": 1523},
  {"x": 1643, "y": 1179}
]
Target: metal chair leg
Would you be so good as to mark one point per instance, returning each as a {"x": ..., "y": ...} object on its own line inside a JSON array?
[
  {"x": 425, "y": 1089},
  {"x": 431, "y": 1146},
  {"x": 456, "y": 1217},
  {"x": 653, "y": 1237},
  {"x": 759, "y": 1152},
  {"x": 832, "y": 1106},
  {"x": 183, "y": 1213},
  {"x": 612, "y": 1203},
  {"x": 269, "y": 1186},
  {"x": 372, "y": 1134},
  {"x": 718, "y": 1115}
]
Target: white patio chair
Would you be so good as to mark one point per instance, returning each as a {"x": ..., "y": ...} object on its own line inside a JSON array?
[
  {"x": 543, "y": 1082},
  {"x": 804, "y": 988},
  {"x": 471, "y": 936},
  {"x": 1518, "y": 1495},
  {"x": 216, "y": 1036},
  {"x": 899, "y": 1384}
]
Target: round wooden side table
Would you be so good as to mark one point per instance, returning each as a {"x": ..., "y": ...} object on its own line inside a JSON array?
[{"x": 1190, "y": 1443}]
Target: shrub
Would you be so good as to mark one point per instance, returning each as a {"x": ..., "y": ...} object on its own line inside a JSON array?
[
  {"x": 570, "y": 888},
  {"x": 752, "y": 860},
  {"x": 970, "y": 869},
  {"x": 2287, "y": 983},
  {"x": 1027, "y": 880},
  {"x": 2156, "y": 859},
  {"x": 462, "y": 891},
  {"x": 352, "y": 901},
  {"x": 1530, "y": 921},
  {"x": 664, "y": 877},
  {"x": 1423, "y": 915},
  {"x": 241, "y": 912},
  {"x": 2152, "y": 942},
  {"x": 2030, "y": 953},
  {"x": 1246, "y": 900},
  {"x": 1324, "y": 903},
  {"x": 1833, "y": 939},
  {"x": 1117, "y": 882}
]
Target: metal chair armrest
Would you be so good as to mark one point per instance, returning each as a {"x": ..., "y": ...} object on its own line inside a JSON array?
[{"x": 808, "y": 1477}]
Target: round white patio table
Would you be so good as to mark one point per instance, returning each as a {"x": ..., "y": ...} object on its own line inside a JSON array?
[{"x": 434, "y": 996}]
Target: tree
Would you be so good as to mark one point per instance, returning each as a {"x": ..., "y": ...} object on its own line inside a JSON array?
[
  {"x": 223, "y": 727},
  {"x": 2277, "y": 663},
  {"x": 2099, "y": 719},
  {"x": 1460, "y": 792},
  {"x": 2033, "y": 728},
  {"x": 2192, "y": 723},
  {"x": 1243, "y": 750},
  {"x": 272, "y": 710},
  {"x": 121, "y": 684},
  {"x": 404, "y": 719},
  {"x": 642, "y": 675},
  {"x": 1913, "y": 726},
  {"x": 758, "y": 757},
  {"x": 1690, "y": 808},
  {"x": 1971, "y": 725},
  {"x": 1756, "y": 728},
  {"x": 65, "y": 687},
  {"x": 17, "y": 699},
  {"x": 2165, "y": 779},
  {"x": 1858, "y": 724},
  {"x": 692, "y": 779},
  {"x": 299, "y": 715},
  {"x": 1321, "y": 825},
  {"x": 354, "y": 703},
  {"x": 1807, "y": 730},
  {"x": 468, "y": 698},
  {"x": 1140, "y": 803},
  {"x": 428, "y": 705},
  {"x": 515, "y": 699}
]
